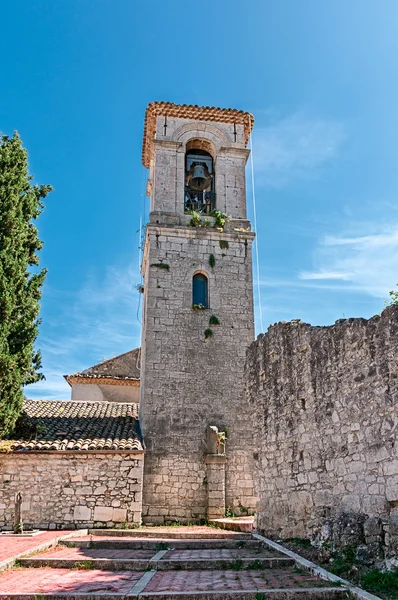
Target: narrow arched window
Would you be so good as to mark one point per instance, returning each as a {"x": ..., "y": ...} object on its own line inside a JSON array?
[{"x": 200, "y": 291}]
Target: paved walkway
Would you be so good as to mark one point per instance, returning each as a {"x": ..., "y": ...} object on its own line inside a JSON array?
[
  {"x": 12, "y": 547},
  {"x": 161, "y": 562}
]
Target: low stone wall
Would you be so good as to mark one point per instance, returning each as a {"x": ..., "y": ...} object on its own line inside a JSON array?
[
  {"x": 325, "y": 402},
  {"x": 63, "y": 491}
]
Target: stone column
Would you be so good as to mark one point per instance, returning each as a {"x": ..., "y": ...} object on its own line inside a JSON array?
[{"x": 215, "y": 485}]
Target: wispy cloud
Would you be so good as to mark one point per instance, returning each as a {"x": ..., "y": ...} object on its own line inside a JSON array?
[
  {"x": 83, "y": 328},
  {"x": 324, "y": 275},
  {"x": 367, "y": 262},
  {"x": 295, "y": 147}
]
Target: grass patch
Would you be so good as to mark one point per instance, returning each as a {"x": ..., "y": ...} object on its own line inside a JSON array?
[
  {"x": 214, "y": 320},
  {"x": 377, "y": 582},
  {"x": 208, "y": 333},
  {"x": 164, "y": 266}
]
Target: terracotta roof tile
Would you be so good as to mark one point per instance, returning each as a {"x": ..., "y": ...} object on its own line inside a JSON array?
[
  {"x": 190, "y": 111},
  {"x": 81, "y": 427}
]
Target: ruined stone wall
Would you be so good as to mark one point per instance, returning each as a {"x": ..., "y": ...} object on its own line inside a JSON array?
[
  {"x": 190, "y": 382},
  {"x": 325, "y": 403},
  {"x": 62, "y": 491}
]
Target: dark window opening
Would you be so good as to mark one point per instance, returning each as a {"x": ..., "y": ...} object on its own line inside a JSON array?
[
  {"x": 199, "y": 182},
  {"x": 200, "y": 292}
]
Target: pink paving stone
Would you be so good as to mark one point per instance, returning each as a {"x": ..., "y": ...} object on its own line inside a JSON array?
[
  {"x": 64, "y": 553},
  {"x": 47, "y": 580},
  {"x": 201, "y": 581},
  {"x": 219, "y": 554},
  {"x": 13, "y": 546}
]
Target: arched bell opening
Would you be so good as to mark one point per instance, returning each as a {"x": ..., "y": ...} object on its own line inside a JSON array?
[{"x": 199, "y": 177}]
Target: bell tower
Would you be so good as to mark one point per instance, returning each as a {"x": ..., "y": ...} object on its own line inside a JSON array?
[{"x": 197, "y": 314}]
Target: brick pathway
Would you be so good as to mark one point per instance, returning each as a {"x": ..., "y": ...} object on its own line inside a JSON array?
[
  {"x": 44, "y": 581},
  {"x": 81, "y": 554},
  {"x": 15, "y": 546},
  {"x": 191, "y": 581},
  {"x": 164, "y": 569},
  {"x": 219, "y": 554}
]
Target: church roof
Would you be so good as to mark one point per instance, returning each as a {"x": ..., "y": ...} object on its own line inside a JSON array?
[
  {"x": 190, "y": 111},
  {"x": 122, "y": 370},
  {"x": 69, "y": 426}
]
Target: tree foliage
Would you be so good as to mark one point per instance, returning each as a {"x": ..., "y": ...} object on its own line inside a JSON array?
[
  {"x": 393, "y": 297},
  {"x": 20, "y": 278}
]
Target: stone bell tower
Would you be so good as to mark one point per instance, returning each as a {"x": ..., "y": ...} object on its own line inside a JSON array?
[{"x": 197, "y": 314}]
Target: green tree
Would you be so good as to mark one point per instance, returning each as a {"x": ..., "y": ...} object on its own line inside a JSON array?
[
  {"x": 20, "y": 278},
  {"x": 393, "y": 297}
]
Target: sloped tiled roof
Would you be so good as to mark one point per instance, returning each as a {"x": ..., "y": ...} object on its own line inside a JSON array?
[
  {"x": 124, "y": 367},
  {"x": 190, "y": 111},
  {"x": 81, "y": 427}
]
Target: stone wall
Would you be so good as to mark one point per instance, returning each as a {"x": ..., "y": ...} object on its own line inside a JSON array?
[
  {"x": 189, "y": 382},
  {"x": 325, "y": 403},
  {"x": 97, "y": 392},
  {"x": 63, "y": 491}
]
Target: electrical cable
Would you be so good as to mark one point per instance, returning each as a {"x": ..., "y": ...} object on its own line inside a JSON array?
[{"x": 260, "y": 310}]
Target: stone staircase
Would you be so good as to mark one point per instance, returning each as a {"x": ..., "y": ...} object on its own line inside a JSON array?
[{"x": 189, "y": 563}]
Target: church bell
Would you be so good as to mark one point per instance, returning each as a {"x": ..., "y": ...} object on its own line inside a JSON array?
[{"x": 199, "y": 180}]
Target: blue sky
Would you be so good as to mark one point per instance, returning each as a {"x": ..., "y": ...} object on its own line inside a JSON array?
[{"x": 321, "y": 80}]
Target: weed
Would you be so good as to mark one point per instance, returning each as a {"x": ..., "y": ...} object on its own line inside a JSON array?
[
  {"x": 206, "y": 223},
  {"x": 164, "y": 266},
  {"x": 224, "y": 245},
  {"x": 84, "y": 564},
  {"x": 236, "y": 564},
  {"x": 17, "y": 564},
  {"x": 205, "y": 482},
  {"x": 243, "y": 509},
  {"x": 220, "y": 219},
  {"x": 198, "y": 307},
  {"x": 240, "y": 544},
  {"x": 161, "y": 546},
  {"x": 255, "y": 565},
  {"x": 260, "y": 596},
  {"x": 208, "y": 333},
  {"x": 195, "y": 219},
  {"x": 214, "y": 320},
  {"x": 229, "y": 513},
  {"x": 301, "y": 542},
  {"x": 298, "y": 570},
  {"x": 212, "y": 260}
]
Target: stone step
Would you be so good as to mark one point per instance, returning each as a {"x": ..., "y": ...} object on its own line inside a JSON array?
[
  {"x": 106, "y": 564},
  {"x": 172, "y": 533},
  {"x": 86, "y": 584},
  {"x": 122, "y": 543},
  {"x": 243, "y": 524}
]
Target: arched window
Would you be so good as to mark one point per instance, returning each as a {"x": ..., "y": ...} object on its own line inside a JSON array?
[
  {"x": 200, "y": 291},
  {"x": 199, "y": 179}
]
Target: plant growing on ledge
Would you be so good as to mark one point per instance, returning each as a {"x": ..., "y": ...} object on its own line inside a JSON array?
[
  {"x": 208, "y": 333},
  {"x": 224, "y": 245},
  {"x": 161, "y": 266},
  {"x": 214, "y": 320},
  {"x": 212, "y": 260},
  {"x": 198, "y": 307},
  {"x": 196, "y": 219},
  {"x": 220, "y": 219}
]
